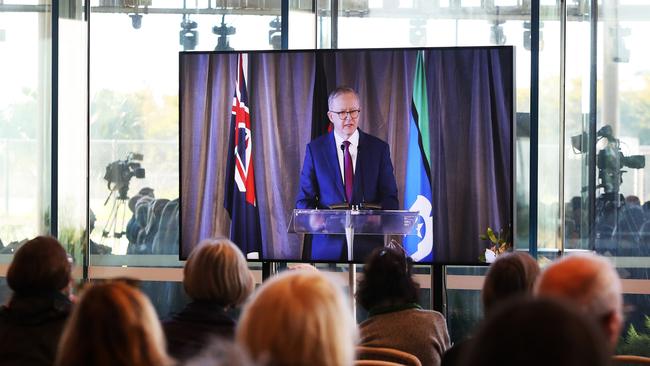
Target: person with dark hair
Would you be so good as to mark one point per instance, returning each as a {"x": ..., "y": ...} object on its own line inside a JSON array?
[
  {"x": 511, "y": 275},
  {"x": 632, "y": 200},
  {"x": 537, "y": 332},
  {"x": 389, "y": 293},
  {"x": 33, "y": 320},
  {"x": 346, "y": 166},
  {"x": 217, "y": 278}
]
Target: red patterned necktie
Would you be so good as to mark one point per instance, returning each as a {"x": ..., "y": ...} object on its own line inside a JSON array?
[{"x": 349, "y": 172}]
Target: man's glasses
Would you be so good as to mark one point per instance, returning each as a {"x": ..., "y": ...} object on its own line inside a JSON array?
[{"x": 344, "y": 114}]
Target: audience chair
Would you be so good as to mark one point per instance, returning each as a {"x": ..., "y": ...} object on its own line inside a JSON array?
[
  {"x": 387, "y": 355},
  {"x": 628, "y": 359},
  {"x": 375, "y": 363}
]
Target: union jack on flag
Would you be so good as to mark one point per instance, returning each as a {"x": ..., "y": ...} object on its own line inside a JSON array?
[
  {"x": 244, "y": 175},
  {"x": 240, "y": 201}
]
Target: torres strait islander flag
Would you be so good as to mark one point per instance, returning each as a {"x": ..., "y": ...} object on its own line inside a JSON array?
[
  {"x": 240, "y": 199},
  {"x": 417, "y": 195}
]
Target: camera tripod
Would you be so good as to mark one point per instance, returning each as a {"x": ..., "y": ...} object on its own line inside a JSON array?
[{"x": 116, "y": 224}]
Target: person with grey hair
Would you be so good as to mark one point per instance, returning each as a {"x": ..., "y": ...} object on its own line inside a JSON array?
[
  {"x": 346, "y": 167},
  {"x": 591, "y": 283},
  {"x": 217, "y": 278}
]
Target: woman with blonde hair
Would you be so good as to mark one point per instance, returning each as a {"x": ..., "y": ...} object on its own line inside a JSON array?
[
  {"x": 299, "y": 318},
  {"x": 113, "y": 324},
  {"x": 217, "y": 278}
]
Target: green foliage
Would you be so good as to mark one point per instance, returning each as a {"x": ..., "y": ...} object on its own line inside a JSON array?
[
  {"x": 635, "y": 342},
  {"x": 133, "y": 116},
  {"x": 635, "y": 112},
  {"x": 71, "y": 239},
  {"x": 116, "y": 116},
  {"x": 20, "y": 120}
]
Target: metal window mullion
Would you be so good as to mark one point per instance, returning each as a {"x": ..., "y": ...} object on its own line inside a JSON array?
[
  {"x": 591, "y": 170},
  {"x": 334, "y": 31},
  {"x": 562, "y": 116},
  {"x": 86, "y": 243},
  {"x": 284, "y": 21},
  {"x": 54, "y": 124},
  {"x": 534, "y": 122}
]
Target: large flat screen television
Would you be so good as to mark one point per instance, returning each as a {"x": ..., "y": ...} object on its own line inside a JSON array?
[{"x": 258, "y": 138}]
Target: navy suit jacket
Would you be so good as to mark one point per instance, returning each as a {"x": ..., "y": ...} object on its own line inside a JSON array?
[{"x": 321, "y": 186}]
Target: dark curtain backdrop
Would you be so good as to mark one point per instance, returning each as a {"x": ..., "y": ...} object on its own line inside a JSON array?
[
  {"x": 470, "y": 105},
  {"x": 208, "y": 84},
  {"x": 470, "y": 108}
]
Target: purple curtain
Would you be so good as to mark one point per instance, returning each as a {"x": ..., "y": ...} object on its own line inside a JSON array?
[{"x": 471, "y": 110}]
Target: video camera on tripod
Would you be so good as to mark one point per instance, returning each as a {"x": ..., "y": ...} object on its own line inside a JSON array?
[
  {"x": 118, "y": 176},
  {"x": 119, "y": 173},
  {"x": 611, "y": 163},
  {"x": 610, "y": 160}
]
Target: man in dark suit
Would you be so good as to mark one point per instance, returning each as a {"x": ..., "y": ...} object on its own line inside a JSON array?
[{"x": 346, "y": 152}]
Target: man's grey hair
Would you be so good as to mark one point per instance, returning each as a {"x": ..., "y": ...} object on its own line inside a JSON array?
[
  {"x": 340, "y": 90},
  {"x": 587, "y": 280}
]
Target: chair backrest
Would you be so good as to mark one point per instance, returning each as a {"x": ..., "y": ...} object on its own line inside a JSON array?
[
  {"x": 388, "y": 355},
  {"x": 638, "y": 360},
  {"x": 375, "y": 363}
]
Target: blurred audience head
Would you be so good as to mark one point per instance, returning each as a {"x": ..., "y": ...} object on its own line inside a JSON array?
[
  {"x": 589, "y": 282},
  {"x": 40, "y": 266},
  {"x": 221, "y": 352},
  {"x": 512, "y": 274},
  {"x": 113, "y": 324},
  {"x": 532, "y": 332},
  {"x": 632, "y": 200},
  {"x": 216, "y": 270},
  {"x": 387, "y": 279},
  {"x": 299, "y": 318}
]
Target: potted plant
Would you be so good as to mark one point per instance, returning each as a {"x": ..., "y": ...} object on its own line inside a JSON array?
[{"x": 499, "y": 242}]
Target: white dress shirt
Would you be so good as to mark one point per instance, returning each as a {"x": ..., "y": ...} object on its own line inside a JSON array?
[{"x": 354, "y": 143}]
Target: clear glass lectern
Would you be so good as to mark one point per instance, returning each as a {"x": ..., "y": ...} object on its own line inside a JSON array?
[{"x": 353, "y": 222}]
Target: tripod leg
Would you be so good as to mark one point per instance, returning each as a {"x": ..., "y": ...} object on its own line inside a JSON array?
[{"x": 110, "y": 224}]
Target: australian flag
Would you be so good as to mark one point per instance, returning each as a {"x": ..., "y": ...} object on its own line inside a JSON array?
[{"x": 240, "y": 198}]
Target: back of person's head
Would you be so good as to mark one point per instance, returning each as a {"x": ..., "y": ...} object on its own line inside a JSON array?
[
  {"x": 221, "y": 352},
  {"x": 532, "y": 332},
  {"x": 589, "y": 282},
  {"x": 299, "y": 318},
  {"x": 512, "y": 274},
  {"x": 386, "y": 279},
  {"x": 633, "y": 200},
  {"x": 216, "y": 270},
  {"x": 40, "y": 266},
  {"x": 112, "y": 324}
]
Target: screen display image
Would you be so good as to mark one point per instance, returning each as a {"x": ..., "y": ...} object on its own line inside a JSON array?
[{"x": 386, "y": 131}]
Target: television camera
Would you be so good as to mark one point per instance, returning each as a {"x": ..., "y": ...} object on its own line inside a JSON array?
[
  {"x": 610, "y": 160},
  {"x": 611, "y": 163},
  {"x": 118, "y": 176}
]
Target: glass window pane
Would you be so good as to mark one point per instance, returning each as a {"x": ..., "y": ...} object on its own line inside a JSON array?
[
  {"x": 72, "y": 127},
  {"x": 25, "y": 96},
  {"x": 134, "y": 137}
]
